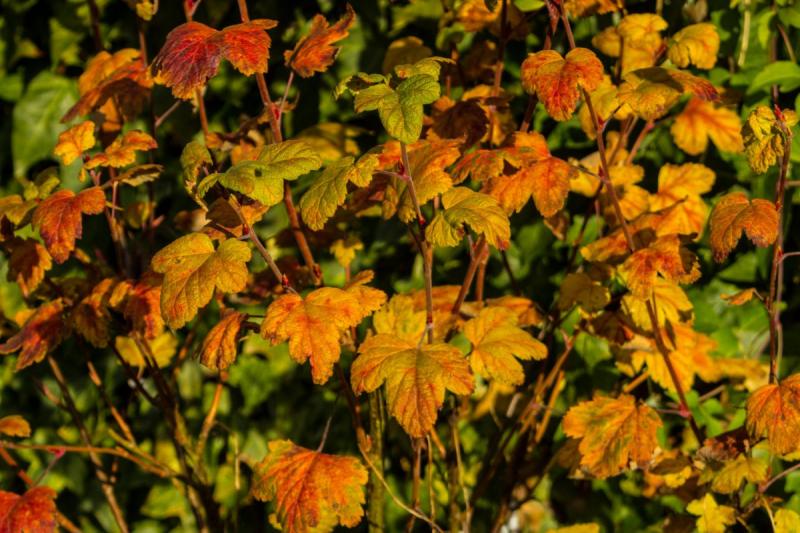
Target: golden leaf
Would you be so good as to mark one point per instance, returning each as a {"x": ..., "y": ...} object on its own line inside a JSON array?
[
  {"x": 733, "y": 215},
  {"x": 135, "y": 352},
  {"x": 27, "y": 264},
  {"x": 400, "y": 318},
  {"x": 315, "y": 52},
  {"x": 774, "y": 410},
  {"x": 579, "y": 288},
  {"x": 42, "y": 332},
  {"x": 14, "y": 426},
  {"x": 700, "y": 121},
  {"x": 74, "y": 141},
  {"x": 665, "y": 257},
  {"x": 651, "y": 92},
  {"x": 219, "y": 348},
  {"x": 696, "y": 44},
  {"x": 547, "y": 181},
  {"x": 764, "y": 139},
  {"x": 714, "y": 518},
  {"x": 678, "y": 197},
  {"x": 479, "y": 211},
  {"x": 730, "y": 477}
]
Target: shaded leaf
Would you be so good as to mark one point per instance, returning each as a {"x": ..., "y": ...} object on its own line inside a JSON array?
[
  {"x": 58, "y": 218},
  {"x": 479, "y": 211},
  {"x": 219, "y": 348},
  {"x": 42, "y": 332},
  {"x": 774, "y": 411},
  {"x": 34, "y": 511}
]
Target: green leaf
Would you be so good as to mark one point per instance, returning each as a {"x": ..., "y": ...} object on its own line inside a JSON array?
[
  {"x": 36, "y": 119},
  {"x": 783, "y": 73},
  {"x": 465, "y": 206},
  {"x": 401, "y": 111}
]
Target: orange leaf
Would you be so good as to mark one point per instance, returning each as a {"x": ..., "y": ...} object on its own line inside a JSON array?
[
  {"x": 664, "y": 256},
  {"x": 481, "y": 165},
  {"x": 122, "y": 151},
  {"x": 416, "y": 377},
  {"x": 369, "y": 298},
  {"x": 74, "y": 141},
  {"x": 774, "y": 410},
  {"x": 651, "y": 92},
  {"x": 315, "y": 52},
  {"x": 547, "y": 180},
  {"x": 696, "y": 44},
  {"x": 58, "y": 218},
  {"x": 312, "y": 491},
  {"x": 28, "y": 262},
  {"x": 557, "y": 80},
  {"x": 143, "y": 305},
  {"x": 15, "y": 426},
  {"x": 735, "y": 214},
  {"x": 41, "y": 333},
  {"x": 91, "y": 316},
  {"x": 192, "y": 53},
  {"x": 679, "y": 190},
  {"x": 700, "y": 121},
  {"x": 220, "y": 345},
  {"x": 33, "y": 512},
  {"x": 614, "y": 432},
  {"x": 584, "y": 8}
]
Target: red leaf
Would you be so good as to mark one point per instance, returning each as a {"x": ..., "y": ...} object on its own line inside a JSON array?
[
  {"x": 315, "y": 52},
  {"x": 34, "y": 511}
]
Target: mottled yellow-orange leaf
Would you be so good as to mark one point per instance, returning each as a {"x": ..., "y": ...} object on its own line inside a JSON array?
[
  {"x": 700, "y": 121},
  {"x": 497, "y": 342},
  {"x": 714, "y": 518},
  {"x": 524, "y": 308},
  {"x": 122, "y": 151},
  {"x": 678, "y": 198},
  {"x": 636, "y": 40},
  {"x": 344, "y": 250},
  {"x": 58, "y": 218},
  {"x": 369, "y": 299},
  {"x": 671, "y": 305},
  {"x": 558, "y": 80},
  {"x": 665, "y": 257},
  {"x": 774, "y": 411},
  {"x": 735, "y": 214},
  {"x": 481, "y": 165},
  {"x": 605, "y": 104},
  {"x": 744, "y": 468},
  {"x": 192, "y": 269},
  {"x": 416, "y": 377},
  {"x": 479, "y": 211},
  {"x": 315, "y": 52},
  {"x": 696, "y": 44},
  {"x": 670, "y": 469},
  {"x": 764, "y": 139},
  {"x": 33, "y": 512},
  {"x": 91, "y": 317},
  {"x": 313, "y": 325},
  {"x": 220, "y": 345},
  {"x": 400, "y": 318},
  {"x": 578, "y": 528},
  {"x": 614, "y": 433},
  {"x": 547, "y": 180},
  {"x": 786, "y": 521},
  {"x": 584, "y": 8},
  {"x": 14, "y": 426},
  {"x": 41, "y": 333},
  {"x": 651, "y": 92},
  {"x": 579, "y": 288},
  {"x": 312, "y": 491},
  {"x": 27, "y": 264},
  {"x": 143, "y": 305},
  {"x": 73, "y": 142},
  {"x": 136, "y": 352},
  {"x": 741, "y": 297}
]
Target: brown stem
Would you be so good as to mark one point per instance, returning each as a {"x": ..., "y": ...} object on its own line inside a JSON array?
[
  {"x": 94, "y": 18},
  {"x": 416, "y": 480},
  {"x": 98, "y": 382},
  {"x": 481, "y": 248},
  {"x": 211, "y": 416}
]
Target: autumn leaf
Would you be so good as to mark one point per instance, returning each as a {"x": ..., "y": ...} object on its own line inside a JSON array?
[
  {"x": 733, "y": 215},
  {"x": 584, "y": 8},
  {"x": 42, "y": 332},
  {"x": 369, "y": 298},
  {"x": 15, "y": 426},
  {"x": 614, "y": 433},
  {"x": 192, "y": 269},
  {"x": 741, "y": 297},
  {"x": 219, "y": 348},
  {"x": 786, "y": 521},
  {"x": 73, "y": 142},
  {"x": 651, "y": 92},
  {"x": 579, "y": 288},
  {"x": 479, "y": 211},
  {"x": 345, "y": 250},
  {"x": 669, "y": 300},
  {"x": 696, "y": 44},
  {"x": 774, "y": 411},
  {"x": 679, "y": 198},
  {"x": 312, "y": 491},
  {"x": 480, "y": 165},
  {"x": 636, "y": 40},
  {"x": 142, "y": 305},
  {"x": 27, "y": 264},
  {"x": 137, "y": 351},
  {"x": 713, "y": 518},
  {"x": 34, "y": 511},
  {"x": 58, "y": 218},
  {"x": 122, "y": 151},
  {"x": 764, "y": 139},
  {"x": 192, "y": 52},
  {"x": 558, "y": 80},
  {"x": 497, "y": 342},
  {"x": 313, "y": 325},
  {"x": 400, "y": 318},
  {"x": 664, "y": 257},
  {"x": 744, "y": 468},
  {"x": 416, "y": 377},
  {"x": 91, "y": 316},
  {"x": 700, "y": 121},
  {"x": 546, "y": 180},
  {"x": 315, "y": 52}
]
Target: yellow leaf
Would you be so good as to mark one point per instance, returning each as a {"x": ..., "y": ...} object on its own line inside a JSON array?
[
  {"x": 714, "y": 518},
  {"x": 730, "y": 477},
  {"x": 579, "y": 288},
  {"x": 192, "y": 269},
  {"x": 344, "y": 250},
  {"x": 774, "y": 410},
  {"x": 400, "y": 318},
  {"x": 161, "y": 349},
  {"x": 696, "y": 44},
  {"x": 220, "y": 345},
  {"x": 73, "y": 142},
  {"x": 764, "y": 140},
  {"x": 741, "y": 297},
  {"x": 671, "y": 305},
  {"x": 312, "y": 491},
  {"x": 416, "y": 377},
  {"x": 651, "y": 92},
  {"x": 465, "y": 206},
  {"x": 547, "y": 180},
  {"x": 14, "y": 426},
  {"x": 614, "y": 433},
  {"x": 369, "y": 299},
  {"x": 787, "y": 521},
  {"x": 122, "y": 151},
  {"x": 27, "y": 264},
  {"x": 665, "y": 257},
  {"x": 733, "y": 215},
  {"x": 700, "y": 121},
  {"x": 584, "y": 8},
  {"x": 313, "y": 325},
  {"x": 496, "y": 341},
  {"x": 678, "y": 197}
]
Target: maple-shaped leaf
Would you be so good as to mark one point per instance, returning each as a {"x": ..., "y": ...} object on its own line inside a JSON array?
[
  {"x": 744, "y": 468},
  {"x": 713, "y": 518},
  {"x": 91, "y": 316},
  {"x": 678, "y": 198},
  {"x": 315, "y": 52},
  {"x": 58, "y": 218},
  {"x": 14, "y": 426},
  {"x": 73, "y": 142},
  {"x": 774, "y": 411},
  {"x": 122, "y": 151},
  {"x": 41, "y": 333},
  {"x": 33, "y": 512},
  {"x": 400, "y": 109},
  {"x": 416, "y": 377},
  {"x": 636, "y": 40},
  {"x": 764, "y": 139},
  {"x": 313, "y": 325},
  {"x": 142, "y": 305},
  {"x": 399, "y": 317},
  {"x": 136, "y": 352},
  {"x": 733, "y": 215},
  {"x": 700, "y": 121},
  {"x": 665, "y": 257},
  {"x": 479, "y": 211},
  {"x": 16, "y": 210},
  {"x": 669, "y": 300},
  {"x": 219, "y": 348},
  {"x": 497, "y": 342},
  {"x": 481, "y": 165},
  {"x": 345, "y": 250},
  {"x": 696, "y": 44},
  {"x": 262, "y": 178},
  {"x": 614, "y": 433},
  {"x": 192, "y": 52},
  {"x": 546, "y": 180},
  {"x": 579, "y": 288},
  {"x": 192, "y": 269},
  {"x": 369, "y": 298},
  {"x": 558, "y": 80},
  {"x": 27, "y": 264},
  {"x": 651, "y": 92},
  {"x": 584, "y": 8},
  {"x": 786, "y": 521},
  {"x": 312, "y": 491}
]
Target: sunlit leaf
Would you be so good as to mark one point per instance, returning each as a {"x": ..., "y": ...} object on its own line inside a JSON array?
[
  {"x": 733, "y": 215},
  {"x": 34, "y": 511},
  {"x": 73, "y": 142},
  {"x": 315, "y": 52},
  {"x": 58, "y": 218},
  {"x": 14, "y": 426},
  {"x": 479, "y": 211},
  {"x": 774, "y": 411},
  {"x": 714, "y": 518},
  {"x": 764, "y": 140},
  {"x": 42, "y": 332},
  {"x": 696, "y": 44},
  {"x": 700, "y": 121}
]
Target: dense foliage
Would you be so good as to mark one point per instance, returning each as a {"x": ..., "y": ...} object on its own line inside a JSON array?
[{"x": 449, "y": 265}]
